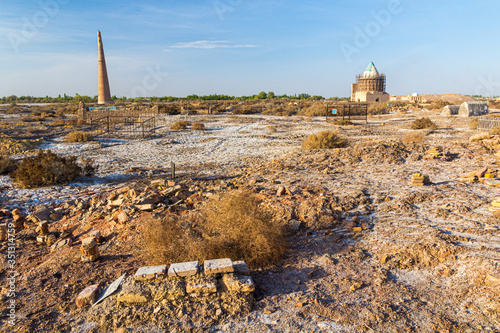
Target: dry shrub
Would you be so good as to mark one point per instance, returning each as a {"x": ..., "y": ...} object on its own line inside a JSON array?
[
  {"x": 342, "y": 122},
  {"x": 272, "y": 129},
  {"x": 495, "y": 131},
  {"x": 308, "y": 119},
  {"x": 239, "y": 228},
  {"x": 7, "y": 165},
  {"x": 47, "y": 168},
  {"x": 234, "y": 226},
  {"x": 78, "y": 136},
  {"x": 58, "y": 122},
  {"x": 198, "y": 127},
  {"x": 324, "y": 140},
  {"x": 179, "y": 125},
  {"x": 416, "y": 137},
  {"x": 378, "y": 108},
  {"x": 422, "y": 123},
  {"x": 28, "y": 119},
  {"x": 474, "y": 123},
  {"x": 479, "y": 137},
  {"x": 314, "y": 110}
]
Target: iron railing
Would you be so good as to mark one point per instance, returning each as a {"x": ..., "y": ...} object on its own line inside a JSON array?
[{"x": 124, "y": 127}]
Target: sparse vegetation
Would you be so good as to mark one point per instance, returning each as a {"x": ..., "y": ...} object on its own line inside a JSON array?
[
  {"x": 378, "y": 108},
  {"x": 7, "y": 165},
  {"x": 479, "y": 137},
  {"x": 324, "y": 140},
  {"x": 234, "y": 226},
  {"x": 78, "y": 136},
  {"x": 316, "y": 109},
  {"x": 474, "y": 123},
  {"x": 179, "y": 125},
  {"x": 495, "y": 131},
  {"x": 198, "y": 127},
  {"x": 342, "y": 122},
  {"x": 47, "y": 168},
  {"x": 58, "y": 122},
  {"x": 272, "y": 129},
  {"x": 416, "y": 137},
  {"x": 423, "y": 123}
]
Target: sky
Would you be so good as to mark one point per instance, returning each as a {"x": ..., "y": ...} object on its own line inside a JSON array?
[{"x": 242, "y": 47}]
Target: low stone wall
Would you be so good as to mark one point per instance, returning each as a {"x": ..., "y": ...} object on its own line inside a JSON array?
[{"x": 220, "y": 284}]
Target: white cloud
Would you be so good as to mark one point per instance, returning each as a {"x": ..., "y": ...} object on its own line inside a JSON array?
[{"x": 207, "y": 44}]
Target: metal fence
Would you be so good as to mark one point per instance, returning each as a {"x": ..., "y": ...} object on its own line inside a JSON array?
[
  {"x": 123, "y": 127},
  {"x": 347, "y": 111},
  {"x": 487, "y": 123}
]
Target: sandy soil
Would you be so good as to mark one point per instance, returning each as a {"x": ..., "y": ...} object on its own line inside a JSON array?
[{"x": 425, "y": 259}]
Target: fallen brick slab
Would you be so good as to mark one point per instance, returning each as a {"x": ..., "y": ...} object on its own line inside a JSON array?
[
  {"x": 241, "y": 267},
  {"x": 150, "y": 273},
  {"x": 218, "y": 266},
  {"x": 183, "y": 269}
]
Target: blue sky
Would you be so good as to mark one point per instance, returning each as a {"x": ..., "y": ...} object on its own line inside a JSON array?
[{"x": 242, "y": 47}]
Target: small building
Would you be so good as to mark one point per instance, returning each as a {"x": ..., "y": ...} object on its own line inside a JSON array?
[
  {"x": 369, "y": 86},
  {"x": 450, "y": 110},
  {"x": 473, "y": 109}
]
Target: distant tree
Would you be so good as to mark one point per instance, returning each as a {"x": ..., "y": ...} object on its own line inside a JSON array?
[
  {"x": 271, "y": 95},
  {"x": 262, "y": 95}
]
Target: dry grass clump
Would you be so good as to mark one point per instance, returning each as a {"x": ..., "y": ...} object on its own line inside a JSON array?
[
  {"x": 198, "y": 127},
  {"x": 47, "y": 168},
  {"x": 474, "y": 123},
  {"x": 78, "y": 136},
  {"x": 342, "y": 122},
  {"x": 416, "y": 137},
  {"x": 324, "y": 140},
  {"x": 179, "y": 125},
  {"x": 479, "y": 137},
  {"x": 422, "y": 123},
  {"x": 314, "y": 110},
  {"x": 234, "y": 226},
  {"x": 495, "y": 131},
  {"x": 272, "y": 129},
  {"x": 7, "y": 165},
  {"x": 378, "y": 108},
  {"x": 58, "y": 123}
]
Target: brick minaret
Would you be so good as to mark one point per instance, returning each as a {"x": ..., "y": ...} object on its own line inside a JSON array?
[{"x": 103, "y": 83}]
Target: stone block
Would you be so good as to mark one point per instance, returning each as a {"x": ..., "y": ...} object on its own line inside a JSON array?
[
  {"x": 183, "y": 269},
  {"x": 44, "y": 228},
  {"x": 133, "y": 294},
  {"x": 89, "y": 243},
  {"x": 238, "y": 284},
  {"x": 169, "y": 290},
  {"x": 150, "y": 273},
  {"x": 201, "y": 285},
  {"x": 218, "y": 266},
  {"x": 91, "y": 258},
  {"x": 88, "y": 296},
  {"x": 158, "y": 182},
  {"x": 97, "y": 235},
  {"x": 41, "y": 239},
  {"x": 240, "y": 267},
  {"x": 122, "y": 217},
  {"x": 146, "y": 207}
]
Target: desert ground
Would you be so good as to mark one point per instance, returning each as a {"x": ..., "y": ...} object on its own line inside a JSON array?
[{"x": 368, "y": 251}]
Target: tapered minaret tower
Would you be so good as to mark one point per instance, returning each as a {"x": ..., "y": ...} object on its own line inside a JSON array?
[{"x": 103, "y": 83}]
